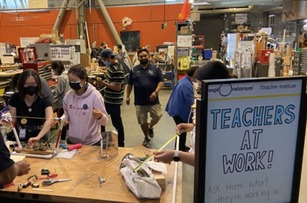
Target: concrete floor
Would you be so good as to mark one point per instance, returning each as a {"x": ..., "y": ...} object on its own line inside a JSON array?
[{"x": 163, "y": 131}]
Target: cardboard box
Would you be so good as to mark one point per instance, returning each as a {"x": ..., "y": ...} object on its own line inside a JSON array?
[{"x": 85, "y": 60}]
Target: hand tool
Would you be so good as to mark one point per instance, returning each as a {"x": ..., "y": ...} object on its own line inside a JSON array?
[{"x": 51, "y": 181}]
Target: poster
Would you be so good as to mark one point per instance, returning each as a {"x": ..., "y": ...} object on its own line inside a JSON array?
[{"x": 252, "y": 140}]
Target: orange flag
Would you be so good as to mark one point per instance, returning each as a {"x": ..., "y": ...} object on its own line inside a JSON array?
[{"x": 184, "y": 12}]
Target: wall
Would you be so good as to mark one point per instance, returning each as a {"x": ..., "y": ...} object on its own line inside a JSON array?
[{"x": 146, "y": 19}]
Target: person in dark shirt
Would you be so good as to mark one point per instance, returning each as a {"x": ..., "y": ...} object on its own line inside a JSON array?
[
  {"x": 114, "y": 92},
  {"x": 30, "y": 109},
  {"x": 8, "y": 168},
  {"x": 147, "y": 81}
]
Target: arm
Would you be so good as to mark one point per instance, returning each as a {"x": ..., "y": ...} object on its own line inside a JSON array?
[
  {"x": 154, "y": 95},
  {"x": 46, "y": 127},
  {"x": 17, "y": 169},
  {"x": 99, "y": 111},
  {"x": 166, "y": 156},
  {"x": 128, "y": 92},
  {"x": 13, "y": 113},
  {"x": 113, "y": 86}
]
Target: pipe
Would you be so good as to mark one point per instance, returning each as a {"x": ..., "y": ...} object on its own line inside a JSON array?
[
  {"x": 111, "y": 25},
  {"x": 226, "y": 10},
  {"x": 60, "y": 16},
  {"x": 81, "y": 20}
]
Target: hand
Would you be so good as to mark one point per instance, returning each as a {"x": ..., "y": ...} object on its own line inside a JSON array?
[
  {"x": 65, "y": 121},
  {"x": 184, "y": 127},
  {"x": 153, "y": 96},
  {"x": 102, "y": 83},
  {"x": 127, "y": 100},
  {"x": 165, "y": 156},
  {"x": 22, "y": 167},
  {"x": 33, "y": 140},
  {"x": 97, "y": 114}
]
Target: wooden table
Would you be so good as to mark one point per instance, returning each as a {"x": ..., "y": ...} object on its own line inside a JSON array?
[{"x": 84, "y": 169}]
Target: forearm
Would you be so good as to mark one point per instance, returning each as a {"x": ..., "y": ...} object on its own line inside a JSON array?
[
  {"x": 113, "y": 86},
  {"x": 159, "y": 87},
  {"x": 103, "y": 120},
  {"x": 186, "y": 157},
  {"x": 8, "y": 175},
  {"x": 128, "y": 90},
  {"x": 45, "y": 129}
]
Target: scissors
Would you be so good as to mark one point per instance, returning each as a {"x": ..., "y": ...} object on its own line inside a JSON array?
[{"x": 51, "y": 181}]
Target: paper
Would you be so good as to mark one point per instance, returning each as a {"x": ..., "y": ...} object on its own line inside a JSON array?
[
  {"x": 16, "y": 158},
  {"x": 66, "y": 154},
  {"x": 157, "y": 166}
]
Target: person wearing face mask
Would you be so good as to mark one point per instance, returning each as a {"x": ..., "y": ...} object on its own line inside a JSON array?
[
  {"x": 84, "y": 109},
  {"x": 147, "y": 81},
  {"x": 114, "y": 92},
  {"x": 210, "y": 71},
  {"x": 30, "y": 109},
  {"x": 62, "y": 88}
]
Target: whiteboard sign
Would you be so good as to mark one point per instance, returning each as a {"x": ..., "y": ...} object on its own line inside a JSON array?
[
  {"x": 250, "y": 136},
  {"x": 184, "y": 40}
]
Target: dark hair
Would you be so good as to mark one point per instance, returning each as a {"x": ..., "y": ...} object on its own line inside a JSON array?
[
  {"x": 190, "y": 72},
  {"x": 58, "y": 67},
  {"x": 102, "y": 43},
  {"x": 141, "y": 50},
  {"x": 119, "y": 46},
  {"x": 212, "y": 70},
  {"x": 22, "y": 80},
  {"x": 79, "y": 71}
]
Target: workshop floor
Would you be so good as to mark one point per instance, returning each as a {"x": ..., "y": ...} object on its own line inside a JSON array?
[{"x": 163, "y": 131}]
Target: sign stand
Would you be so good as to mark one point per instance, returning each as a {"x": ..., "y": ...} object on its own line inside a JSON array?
[{"x": 250, "y": 140}]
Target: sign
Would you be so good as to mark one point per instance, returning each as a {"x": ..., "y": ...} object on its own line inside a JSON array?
[
  {"x": 184, "y": 40},
  {"x": 249, "y": 143}
]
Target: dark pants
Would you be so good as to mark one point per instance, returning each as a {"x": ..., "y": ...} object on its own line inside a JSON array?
[
  {"x": 182, "y": 136},
  {"x": 114, "y": 111}
]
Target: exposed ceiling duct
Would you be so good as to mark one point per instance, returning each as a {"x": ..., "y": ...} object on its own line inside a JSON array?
[{"x": 209, "y": 11}]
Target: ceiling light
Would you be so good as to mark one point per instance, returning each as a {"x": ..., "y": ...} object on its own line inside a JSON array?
[{"x": 200, "y": 3}]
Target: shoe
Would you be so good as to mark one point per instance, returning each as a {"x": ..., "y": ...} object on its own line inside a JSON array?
[
  {"x": 150, "y": 132},
  {"x": 146, "y": 142}
]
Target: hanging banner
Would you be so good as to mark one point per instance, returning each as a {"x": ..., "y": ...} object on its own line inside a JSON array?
[{"x": 250, "y": 136}]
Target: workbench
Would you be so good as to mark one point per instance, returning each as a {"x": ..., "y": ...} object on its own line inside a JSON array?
[{"x": 84, "y": 169}]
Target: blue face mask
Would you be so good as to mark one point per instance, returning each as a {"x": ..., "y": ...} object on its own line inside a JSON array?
[
  {"x": 107, "y": 63},
  {"x": 75, "y": 85}
]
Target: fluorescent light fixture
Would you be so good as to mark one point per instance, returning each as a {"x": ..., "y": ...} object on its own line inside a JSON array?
[
  {"x": 200, "y": 3},
  {"x": 271, "y": 15}
]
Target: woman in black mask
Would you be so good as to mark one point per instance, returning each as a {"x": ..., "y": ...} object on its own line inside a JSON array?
[{"x": 30, "y": 109}]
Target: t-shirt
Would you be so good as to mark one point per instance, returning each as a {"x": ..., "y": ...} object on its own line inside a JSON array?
[
  {"x": 145, "y": 82},
  {"x": 115, "y": 75},
  {"x": 5, "y": 160},
  {"x": 24, "y": 112}
]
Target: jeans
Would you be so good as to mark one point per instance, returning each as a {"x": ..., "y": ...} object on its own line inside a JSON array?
[{"x": 115, "y": 113}]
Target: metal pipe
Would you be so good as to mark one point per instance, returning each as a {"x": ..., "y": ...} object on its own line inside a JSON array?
[
  {"x": 81, "y": 21},
  {"x": 111, "y": 25},
  {"x": 60, "y": 15}
]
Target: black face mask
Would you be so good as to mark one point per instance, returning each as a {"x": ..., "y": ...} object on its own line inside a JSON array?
[
  {"x": 143, "y": 61},
  {"x": 75, "y": 85},
  {"x": 30, "y": 90}
]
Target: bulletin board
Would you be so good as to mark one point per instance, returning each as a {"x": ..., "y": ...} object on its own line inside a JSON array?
[
  {"x": 131, "y": 39},
  {"x": 249, "y": 140}
]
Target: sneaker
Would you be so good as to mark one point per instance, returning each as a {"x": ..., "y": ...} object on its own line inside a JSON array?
[
  {"x": 150, "y": 132},
  {"x": 146, "y": 142}
]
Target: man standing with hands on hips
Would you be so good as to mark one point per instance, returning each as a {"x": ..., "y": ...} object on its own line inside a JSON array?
[{"x": 147, "y": 81}]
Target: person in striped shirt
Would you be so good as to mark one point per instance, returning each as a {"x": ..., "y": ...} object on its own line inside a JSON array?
[{"x": 114, "y": 92}]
